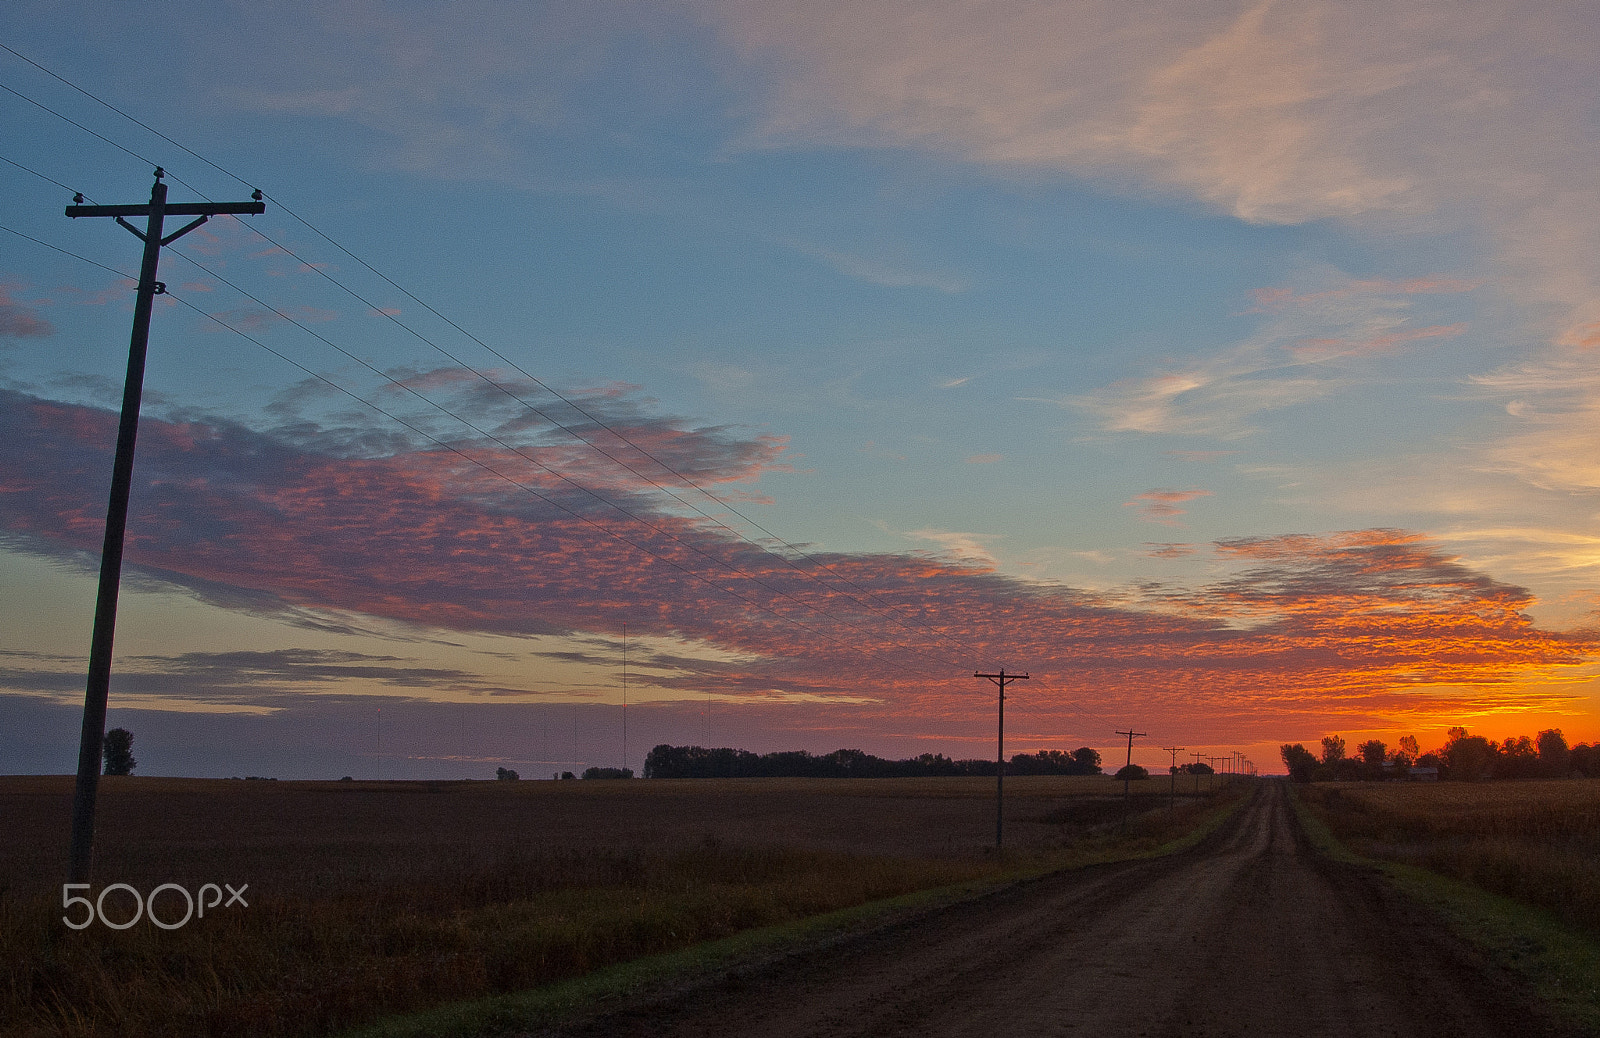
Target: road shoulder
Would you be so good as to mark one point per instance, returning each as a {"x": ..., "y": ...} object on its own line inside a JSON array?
[{"x": 1556, "y": 964}]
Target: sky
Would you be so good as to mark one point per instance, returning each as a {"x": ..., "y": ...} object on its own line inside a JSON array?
[{"x": 746, "y": 374}]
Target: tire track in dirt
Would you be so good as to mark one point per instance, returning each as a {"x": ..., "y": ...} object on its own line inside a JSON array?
[{"x": 1249, "y": 933}]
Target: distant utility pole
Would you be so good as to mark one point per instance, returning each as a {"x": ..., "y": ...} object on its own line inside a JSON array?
[
  {"x": 1000, "y": 681},
  {"x": 624, "y": 697},
  {"x": 1131, "y": 736},
  {"x": 1172, "y": 801},
  {"x": 1197, "y": 757},
  {"x": 105, "y": 610}
]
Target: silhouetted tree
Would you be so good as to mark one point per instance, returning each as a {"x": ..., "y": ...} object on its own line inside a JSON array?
[
  {"x": 506, "y": 775},
  {"x": 1467, "y": 758},
  {"x": 118, "y": 752},
  {"x": 1555, "y": 759},
  {"x": 1131, "y": 772},
  {"x": 1408, "y": 747},
  {"x": 1332, "y": 749},
  {"x": 1302, "y": 764}
]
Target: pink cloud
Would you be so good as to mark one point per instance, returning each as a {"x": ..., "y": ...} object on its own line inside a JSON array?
[
  {"x": 1311, "y": 630},
  {"x": 1269, "y": 300},
  {"x": 1313, "y": 349},
  {"x": 1161, "y": 506},
  {"x": 19, "y": 320}
]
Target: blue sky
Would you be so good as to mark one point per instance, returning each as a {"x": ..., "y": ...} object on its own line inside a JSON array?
[{"x": 1251, "y": 328}]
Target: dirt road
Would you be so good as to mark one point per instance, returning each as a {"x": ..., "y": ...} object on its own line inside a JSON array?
[{"x": 1250, "y": 933}]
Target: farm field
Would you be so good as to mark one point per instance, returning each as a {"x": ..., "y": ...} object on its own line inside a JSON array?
[
  {"x": 1535, "y": 842},
  {"x": 366, "y": 899}
]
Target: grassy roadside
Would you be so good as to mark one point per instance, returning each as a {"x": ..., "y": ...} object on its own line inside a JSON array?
[
  {"x": 1560, "y": 963},
  {"x": 612, "y": 986}
]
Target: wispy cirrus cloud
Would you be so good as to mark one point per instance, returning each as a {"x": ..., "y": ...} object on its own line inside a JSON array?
[
  {"x": 1312, "y": 344},
  {"x": 1356, "y": 627},
  {"x": 1264, "y": 111},
  {"x": 1163, "y": 506}
]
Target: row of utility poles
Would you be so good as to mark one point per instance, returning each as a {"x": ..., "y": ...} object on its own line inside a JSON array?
[
  {"x": 1229, "y": 765},
  {"x": 97, "y": 689}
]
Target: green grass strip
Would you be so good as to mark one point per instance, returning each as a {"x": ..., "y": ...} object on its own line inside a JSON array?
[
  {"x": 1559, "y": 964},
  {"x": 613, "y": 985}
]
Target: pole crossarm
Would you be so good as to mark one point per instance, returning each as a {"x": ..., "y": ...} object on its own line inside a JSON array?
[
  {"x": 97, "y": 688},
  {"x": 206, "y": 209},
  {"x": 1000, "y": 680}
]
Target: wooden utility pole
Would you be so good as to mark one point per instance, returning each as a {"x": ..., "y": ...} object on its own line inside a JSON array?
[
  {"x": 105, "y": 611},
  {"x": 1125, "y": 780},
  {"x": 1172, "y": 801},
  {"x": 1000, "y": 681},
  {"x": 1197, "y": 757}
]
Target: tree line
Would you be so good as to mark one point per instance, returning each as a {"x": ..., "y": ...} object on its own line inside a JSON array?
[
  {"x": 1463, "y": 758},
  {"x": 701, "y": 762}
]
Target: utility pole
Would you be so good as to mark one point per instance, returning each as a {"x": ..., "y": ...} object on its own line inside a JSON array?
[
  {"x": 624, "y": 697},
  {"x": 1197, "y": 757},
  {"x": 1131, "y": 736},
  {"x": 105, "y": 611},
  {"x": 1172, "y": 795},
  {"x": 1000, "y": 681}
]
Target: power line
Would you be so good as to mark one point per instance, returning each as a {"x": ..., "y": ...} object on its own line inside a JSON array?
[
  {"x": 474, "y": 460},
  {"x": 537, "y": 381}
]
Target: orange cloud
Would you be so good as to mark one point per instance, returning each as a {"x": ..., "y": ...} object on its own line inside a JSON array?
[
  {"x": 1345, "y": 631},
  {"x": 1317, "y": 349}
]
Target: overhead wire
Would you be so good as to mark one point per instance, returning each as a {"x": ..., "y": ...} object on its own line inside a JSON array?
[
  {"x": 409, "y": 389},
  {"x": 464, "y": 454},
  {"x": 521, "y": 452},
  {"x": 893, "y": 614},
  {"x": 601, "y": 423}
]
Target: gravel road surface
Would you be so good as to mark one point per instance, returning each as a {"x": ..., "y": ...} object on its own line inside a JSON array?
[{"x": 1250, "y": 933}]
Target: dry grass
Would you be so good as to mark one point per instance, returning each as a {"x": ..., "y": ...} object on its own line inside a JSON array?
[
  {"x": 368, "y": 899},
  {"x": 1536, "y": 842}
]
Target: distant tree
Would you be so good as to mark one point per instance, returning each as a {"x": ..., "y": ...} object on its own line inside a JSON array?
[
  {"x": 1201, "y": 768},
  {"x": 1555, "y": 759},
  {"x": 1408, "y": 746},
  {"x": 1332, "y": 749},
  {"x": 1131, "y": 773},
  {"x": 1517, "y": 758},
  {"x": 1372, "y": 752},
  {"x": 1087, "y": 761},
  {"x": 506, "y": 775},
  {"x": 1586, "y": 760},
  {"x": 608, "y": 773},
  {"x": 567, "y": 776},
  {"x": 1467, "y": 758},
  {"x": 1302, "y": 764},
  {"x": 118, "y": 752}
]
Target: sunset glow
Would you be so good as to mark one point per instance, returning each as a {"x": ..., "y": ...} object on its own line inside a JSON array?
[{"x": 1231, "y": 369}]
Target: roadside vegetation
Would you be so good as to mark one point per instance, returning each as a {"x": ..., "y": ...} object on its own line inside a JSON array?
[
  {"x": 370, "y": 899},
  {"x": 1536, "y": 842}
]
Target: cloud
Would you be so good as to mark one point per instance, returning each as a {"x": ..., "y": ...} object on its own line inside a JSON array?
[
  {"x": 252, "y": 319},
  {"x": 879, "y": 272},
  {"x": 1161, "y": 506},
  {"x": 1352, "y": 627},
  {"x": 985, "y": 459},
  {"x": 1312, "y": 344},
  {"x": 20, "y": 320},
  {"x": 1402, "y": 114}
]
